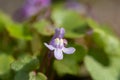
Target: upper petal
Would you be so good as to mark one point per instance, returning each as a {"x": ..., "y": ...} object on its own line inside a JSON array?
[
  {"x": 59, "y": 33},
  {"x": 58, "y": 54},
  {"x": 69, "y": 50},
  {"x": 49, "y": 46}
]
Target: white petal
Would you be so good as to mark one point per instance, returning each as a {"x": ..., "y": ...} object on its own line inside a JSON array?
[
  {"x": 69, "y": 50},
  {"x": 58, "y": 54},
  {"x": 49, "y": 46}
]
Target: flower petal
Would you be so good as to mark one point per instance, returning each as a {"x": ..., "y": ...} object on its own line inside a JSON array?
[
  {"x": 58, "y": 54},
  {"x": 59, "y": 33},
  {"x": 49, "y": 46},
  {"x": 69, "y": 50}
]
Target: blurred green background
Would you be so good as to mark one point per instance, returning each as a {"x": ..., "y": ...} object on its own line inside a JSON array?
[
  {"x": 93, "y": 30},
  {"x": 106, "y": 11}
]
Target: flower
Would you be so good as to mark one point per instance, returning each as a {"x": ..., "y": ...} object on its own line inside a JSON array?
[
  {"x": 76, "y": 6},
  {"x": 57, "y": 44},
  {"x": 34, "y": 6},
  {"x": 30, "y": 8}
]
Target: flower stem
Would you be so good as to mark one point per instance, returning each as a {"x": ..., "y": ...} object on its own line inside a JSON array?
[{"x": 47, "y": 63}]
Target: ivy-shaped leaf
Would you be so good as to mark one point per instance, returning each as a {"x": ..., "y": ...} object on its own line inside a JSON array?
[
  {"x": 74, "y": 24},
  {"x": 44, "y": 27},
  {"x": 102, "y": 66},
  {"x": 109, "y": 43},
  {"x": 104, "y": 38},
  {"x": 30, "y": 76},
  {"x": 25, "y": 63},
  {"x": 5, "y": 61},
  {"x": 14, "y": 29},
  {"x": 70, "y": 63}
]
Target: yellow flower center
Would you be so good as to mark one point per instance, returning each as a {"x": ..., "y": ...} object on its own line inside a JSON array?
[{"x": 59, "y": 42}]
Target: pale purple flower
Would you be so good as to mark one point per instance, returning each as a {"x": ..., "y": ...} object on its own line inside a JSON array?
[
  {"x": 31, "y": 8},
  {"x": 57, "y": 44},
  {"x": 76, "y": 6},
  {"x": 34, "y": 6}
]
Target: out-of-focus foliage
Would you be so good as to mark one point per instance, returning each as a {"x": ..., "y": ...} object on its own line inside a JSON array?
[
  {"x": 105, "y": 40},
  {"x": 71, "y": 21},
  {"x": 102, "y": 66},
  {"x": 43, "y": 27},
  {"x": 70, "y": 64},
  {"x": 23, "y": 62},
  {"x": 23, "y": 55},
  {"x": 5, "y": 61},
  {"x": 14, "y": 29},
  {"x": 38, "y": 76}
]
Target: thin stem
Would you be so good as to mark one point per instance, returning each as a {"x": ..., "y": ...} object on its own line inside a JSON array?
[
  {"x": 47, "y": 63},
  {"x": 43, "y": 62}
]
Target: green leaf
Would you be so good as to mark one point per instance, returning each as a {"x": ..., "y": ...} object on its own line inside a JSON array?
[
  {"x": 110, "y": 44},
  {"x": 41, "y": 76},
  {"x": 104, "y": 38},
  {"x": 38, "y": 76},
  {"x": 30, "y": 76},
  {"x": 94, "y": 25},
  {"x": 70, "y": 63},
  {"x": 5, "y": 61},
  {"x": 14, "y": 29},
  {"x": 22, "y": 75},
  {"x": 25, "y": 63},
  {"x": 74, "y": 24},
  {"x": 79, "y": 53},
  {"x": 23, "y": 66},
  {"x": 102, "y": 66},
  {"x": 17, "y": 31},
  {"x": 44, "y": 27}
]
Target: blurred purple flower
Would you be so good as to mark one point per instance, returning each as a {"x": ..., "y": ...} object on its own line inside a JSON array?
[
  {"x": 76, "y": 6},
  {"x": 30, "y": 8},
  {"x": 57, "y": 44}
]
